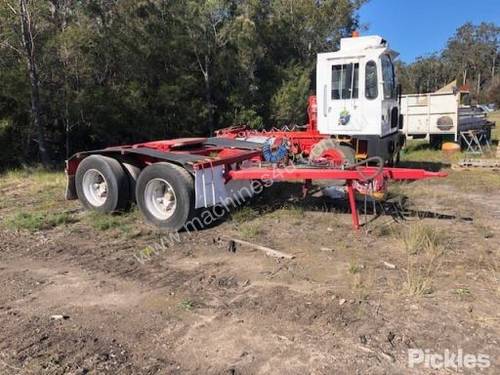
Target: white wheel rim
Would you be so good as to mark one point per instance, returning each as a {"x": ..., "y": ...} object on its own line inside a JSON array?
[
  {"x": 160, "y": 199},
  {"x": 95, "y": 187}
]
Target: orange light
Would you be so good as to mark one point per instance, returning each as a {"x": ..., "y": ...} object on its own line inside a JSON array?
[{"x": 355, "y": 34}]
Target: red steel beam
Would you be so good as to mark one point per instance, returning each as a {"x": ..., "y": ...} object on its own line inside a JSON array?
[
  {"x": 227, "y": 160},
  {"x": 364, "y": 173}
]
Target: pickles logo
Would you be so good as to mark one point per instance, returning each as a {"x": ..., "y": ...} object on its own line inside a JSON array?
[{"x": 345, "y": 117}]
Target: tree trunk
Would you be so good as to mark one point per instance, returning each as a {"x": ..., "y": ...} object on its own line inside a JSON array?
[
  {"x": 27, "y": 39},
  {"x": 208, "y": 96},
  {"x": 493, "y": 66}
]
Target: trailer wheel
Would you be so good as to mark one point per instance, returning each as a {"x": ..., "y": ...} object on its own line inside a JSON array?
[
  {"x": 102, "y": 185},
  {"x": 165, "y": 195}
]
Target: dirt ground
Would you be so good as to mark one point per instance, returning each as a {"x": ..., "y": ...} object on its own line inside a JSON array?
[{"x": 81, "y": 293}]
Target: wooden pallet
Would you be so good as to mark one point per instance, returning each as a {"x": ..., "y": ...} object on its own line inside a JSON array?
[{"x": 492, "y": 164}]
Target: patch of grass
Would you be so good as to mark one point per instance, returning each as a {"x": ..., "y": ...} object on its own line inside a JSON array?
[
  {"x": 35, "y": 221},
  {"x": 354, "y": 268},
  {"x": 462, "y": 292},
  {"x": 104, "y": 222},
  {"x": 250, "y": 230},
  {"x": 40, "y": 178},
  {"x": 420, "y": 238},
  {"x": 39, "y": 188},
  {"x": 421, "y": 151},
  {"x": 187, "y": 305},
  {"x": 495, "y": 117},
  {"x": 418, "y": 281},
  {"x": 148, "y": 251},
  {"x": 288, "y": 212},
  {"x": 244, "y": 214},
  {"x": 424, "y": 246}
]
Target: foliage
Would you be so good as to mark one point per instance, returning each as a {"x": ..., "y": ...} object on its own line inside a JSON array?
[
  {"x": 471, "y": 56},
  {"x": 113, "y": 72},
  {"x": 35, "y": 221}
]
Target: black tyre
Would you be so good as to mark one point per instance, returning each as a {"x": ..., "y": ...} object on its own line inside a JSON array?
[
  {"x": 102, "y": 185},
  {"x": 165, "y": 195}
]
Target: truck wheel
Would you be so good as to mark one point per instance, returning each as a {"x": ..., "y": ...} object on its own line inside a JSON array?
[
  {"x": 165, "y": 195},
  {"x": 102, "y": 185}
]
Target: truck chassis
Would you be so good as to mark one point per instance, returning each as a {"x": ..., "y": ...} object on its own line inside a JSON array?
[{"x": 171, "y": 180}]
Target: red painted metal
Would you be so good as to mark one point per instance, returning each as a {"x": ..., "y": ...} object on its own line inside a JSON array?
[
  {"x": 227, "y": 157},
  {"x": 360, "y": 174},
  {"x": 171, "y": 144},
  {"x": 352, "y": 177},
  {"x": 351, "y": 194}
]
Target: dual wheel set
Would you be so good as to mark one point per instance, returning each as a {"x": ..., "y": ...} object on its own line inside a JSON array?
[{"x": 164, "y": 192}]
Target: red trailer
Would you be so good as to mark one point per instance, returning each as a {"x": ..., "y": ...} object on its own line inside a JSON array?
[{"x": 172, "y": 180}]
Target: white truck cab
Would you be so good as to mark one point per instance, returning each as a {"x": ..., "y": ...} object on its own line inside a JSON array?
[{"x": 358, "y": 97}]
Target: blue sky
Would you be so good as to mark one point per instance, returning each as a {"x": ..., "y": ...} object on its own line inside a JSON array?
[{"x": 419, "y": 27}]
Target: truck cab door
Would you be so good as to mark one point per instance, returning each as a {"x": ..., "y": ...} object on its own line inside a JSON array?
[
  {"x": 390, "y": 101},
  {"x": 338, "y": 96}
]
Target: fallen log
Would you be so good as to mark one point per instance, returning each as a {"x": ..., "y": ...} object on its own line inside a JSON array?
[{"x": 268, "y": 251}]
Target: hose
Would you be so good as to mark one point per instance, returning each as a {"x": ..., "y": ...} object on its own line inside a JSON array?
[{"x": 380, "y": 167}]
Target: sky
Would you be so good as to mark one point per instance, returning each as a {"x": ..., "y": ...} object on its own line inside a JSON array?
[{"x": 419, "y": 27}]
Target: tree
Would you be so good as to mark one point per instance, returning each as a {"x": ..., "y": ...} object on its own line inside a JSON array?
[
  {"x": 205, "y": 24},
  {"x": 473, "y": 52},
  {"x": 103, "y": 72},
  {"x": 470, "y": 56},
  {"x": 25, "y": 37}
]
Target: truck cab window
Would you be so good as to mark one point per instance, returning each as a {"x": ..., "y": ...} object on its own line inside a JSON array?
[
  {"x": 388, "y": 77},
  {"x": 371, "y": 84},
  {"x": 345, "y": 81}
]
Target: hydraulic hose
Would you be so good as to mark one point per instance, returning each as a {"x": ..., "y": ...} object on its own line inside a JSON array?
[{"x": 379, "y": 165}]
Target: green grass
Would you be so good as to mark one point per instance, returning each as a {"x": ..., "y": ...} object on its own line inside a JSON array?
[
  {"x": 425, "y": 247},
  {"x": 35, "y": 221},
  {"x": 462, "y": 292},
  {"x": 38, "y": 177},
  {"x": 421, "y": 238},
  {"x": 289, "y": 212},
  {"x": 495, "y": 117},
  {"x": 421, "y": 151},
  {"x": 250, "y": 230},
  {"x": 187, "y": 305},
  {"x": 244, "y": 214},
  {"x": 354, "y": 268},
  {"x": 36, "y": 187},
  {"x": 418, "y": 281},
  {"x": 105, "y": 222}
]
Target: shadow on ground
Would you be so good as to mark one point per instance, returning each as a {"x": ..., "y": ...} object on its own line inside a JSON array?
[{"x": 289, "y": 196}]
